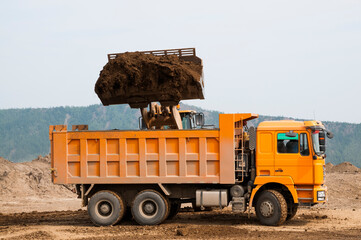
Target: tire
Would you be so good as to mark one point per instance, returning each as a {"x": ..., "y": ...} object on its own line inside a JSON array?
[
  {"x": 105, "y": 208},
  {"x": 149, "y": 208},
  {"x": 168, "y": 209},
  {"x": 271, "y": 208},
  {"x": 174, "y": 209},
  {"x": 292, "y": 211}
]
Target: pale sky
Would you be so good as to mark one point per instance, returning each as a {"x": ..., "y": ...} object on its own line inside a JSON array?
[{"x": 298, "y": 59}]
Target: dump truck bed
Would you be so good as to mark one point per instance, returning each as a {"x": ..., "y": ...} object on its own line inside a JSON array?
[{"x": 153, "y": 156}]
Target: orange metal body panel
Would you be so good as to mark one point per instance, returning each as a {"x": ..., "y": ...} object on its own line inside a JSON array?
[
  {"x": 287, "y": 181},
  {"x": 291, "y": 170},
  {"x": 303, "y": 169},
  {"x": 153, "y": 156}
]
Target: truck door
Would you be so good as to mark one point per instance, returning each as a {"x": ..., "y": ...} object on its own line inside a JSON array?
[{"x": 292, "y": 157}]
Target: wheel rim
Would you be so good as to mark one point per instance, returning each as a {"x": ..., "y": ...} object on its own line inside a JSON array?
[
  {"x": 266, "y": 209},
  {"x": 148, "y": 208},
  {"x": 104, "y": 208}
]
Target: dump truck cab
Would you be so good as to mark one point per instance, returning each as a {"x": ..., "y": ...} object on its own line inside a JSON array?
[{"x": 290, "y": 155}]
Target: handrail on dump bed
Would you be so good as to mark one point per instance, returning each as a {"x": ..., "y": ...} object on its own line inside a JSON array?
[{"x": 181, "y": 52}]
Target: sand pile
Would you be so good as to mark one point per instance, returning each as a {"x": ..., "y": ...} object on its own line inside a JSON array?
[
  {"x": 344, "y": 190},
  {"x": 29, "y": 179},
  {"x": 137, "y": 78},
  {"x": 345, "y": 167},
  {"x": 328, "y": 167}
]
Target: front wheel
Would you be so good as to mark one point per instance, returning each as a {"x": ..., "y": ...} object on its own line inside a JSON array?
[
  {"x": 105, "y": 208},
  {"x": 271, "y": 208}
]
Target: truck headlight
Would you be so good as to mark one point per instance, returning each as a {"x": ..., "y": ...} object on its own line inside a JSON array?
[{"x": 321, "y": 195}]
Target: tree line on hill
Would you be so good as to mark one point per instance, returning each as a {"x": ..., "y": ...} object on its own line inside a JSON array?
[{"x": 24, "y": 133}]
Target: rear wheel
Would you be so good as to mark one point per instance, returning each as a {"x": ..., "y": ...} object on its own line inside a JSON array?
[
  {"x": 149, "y": 208},
  {"x": 271, "y": 208},
  {"x": 292, "y": 211},
  {"x": 105, "y": 208}
]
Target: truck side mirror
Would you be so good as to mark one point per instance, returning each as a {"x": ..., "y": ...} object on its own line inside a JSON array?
[
  {"x": 199, "y": 119},
  {"x": 329, "y": 134},
  {"x": 291, "y": 134},
  {"x": 322, "y": 140}
]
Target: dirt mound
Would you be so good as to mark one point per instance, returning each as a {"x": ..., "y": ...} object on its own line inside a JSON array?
[
  {"x": 138, "y": 79},
  {"x": 345, "y": 167},
  {"x": 45, "y": 159},
  {"x": 329, "y": 167},
  {"x": 344, "y": 190},
  {"x": 29, "y": 179}
]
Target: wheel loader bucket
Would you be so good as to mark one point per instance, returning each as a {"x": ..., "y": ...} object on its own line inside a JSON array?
[{"x": 139, "y": 78}]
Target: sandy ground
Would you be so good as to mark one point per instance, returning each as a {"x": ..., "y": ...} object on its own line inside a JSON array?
[
  {"x": 42, "y": 216},
  {"x": 308, "y": 224}
]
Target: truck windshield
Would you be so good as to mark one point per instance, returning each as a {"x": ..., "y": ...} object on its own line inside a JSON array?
[{"x": 316, "y": 143}]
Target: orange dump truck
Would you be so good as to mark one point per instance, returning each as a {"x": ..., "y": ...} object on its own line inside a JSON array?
[{"x": 273, "y": 168}]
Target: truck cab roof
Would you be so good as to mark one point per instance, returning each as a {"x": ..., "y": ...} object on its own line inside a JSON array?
[{"x": 288, "y": 125}]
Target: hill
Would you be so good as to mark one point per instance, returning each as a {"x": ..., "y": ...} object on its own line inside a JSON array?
[{"x": 24, "y": 132}]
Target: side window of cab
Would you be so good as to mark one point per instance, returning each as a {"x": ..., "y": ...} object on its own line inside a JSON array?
[
  {"x": 296, "y": 144},
  {"x": 287, "y": 144}
]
